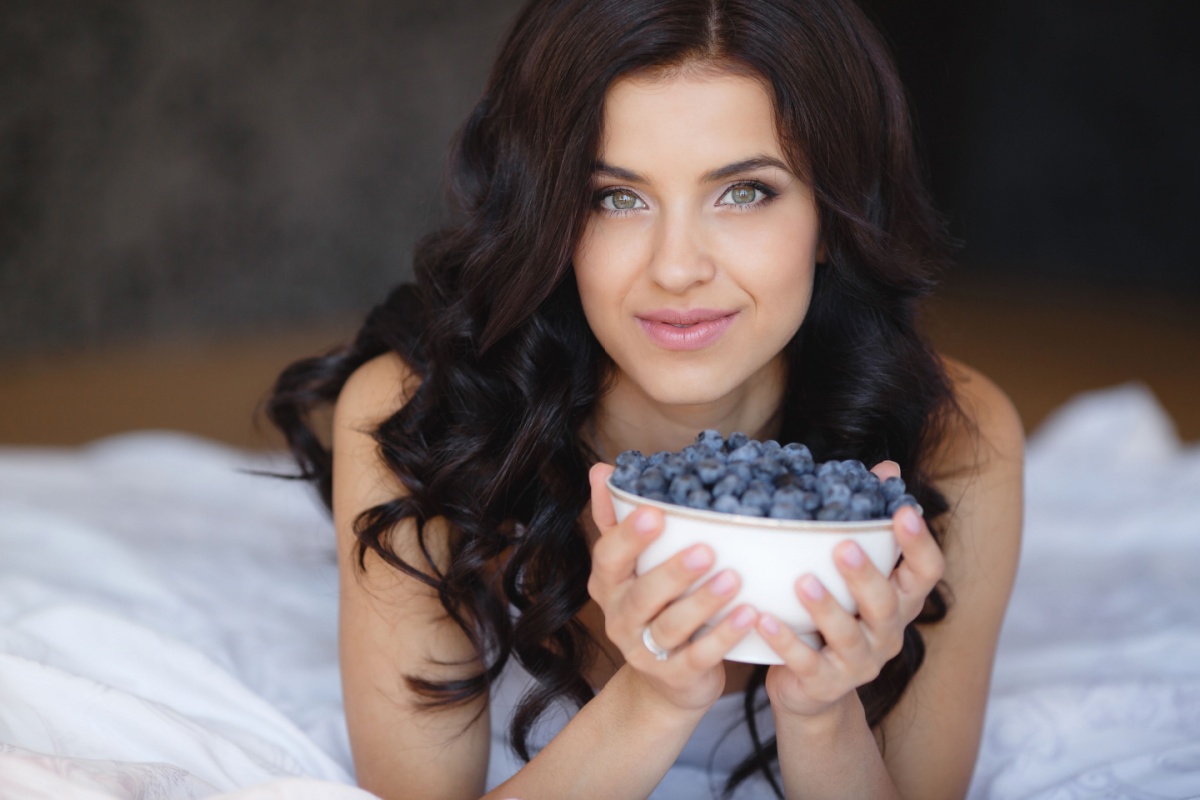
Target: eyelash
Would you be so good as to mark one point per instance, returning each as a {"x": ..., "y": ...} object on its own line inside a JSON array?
[{"x": 768, "y": 194}]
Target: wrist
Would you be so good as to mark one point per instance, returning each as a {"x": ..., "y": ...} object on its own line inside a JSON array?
[
  {"x": 643, "y": 705},
  {"x": 826, "y": 724}
]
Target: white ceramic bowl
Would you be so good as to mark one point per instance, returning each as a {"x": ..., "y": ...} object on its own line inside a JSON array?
[{"x": 769, "y": 555}]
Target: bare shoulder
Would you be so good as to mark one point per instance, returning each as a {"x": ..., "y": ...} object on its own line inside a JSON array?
[
  {"x": 375, "y": 391},
  {"x": 978, "y": 466},
  {"x": 986, "y": 433}
]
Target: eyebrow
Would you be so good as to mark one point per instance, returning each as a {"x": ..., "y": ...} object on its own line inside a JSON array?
[{"x": 718, "y": 174}]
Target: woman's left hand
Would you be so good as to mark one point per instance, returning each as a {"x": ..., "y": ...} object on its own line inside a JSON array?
[{"x": 856, "y": 648}]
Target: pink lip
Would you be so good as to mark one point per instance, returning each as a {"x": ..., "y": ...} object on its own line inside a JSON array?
[{"x": 704, "y": 326}]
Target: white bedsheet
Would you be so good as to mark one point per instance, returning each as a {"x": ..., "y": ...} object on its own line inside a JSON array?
[{"x": 167, "y": 622}]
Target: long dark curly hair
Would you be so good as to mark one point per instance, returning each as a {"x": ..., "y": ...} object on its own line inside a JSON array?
[{"x": 493, "y": 439}]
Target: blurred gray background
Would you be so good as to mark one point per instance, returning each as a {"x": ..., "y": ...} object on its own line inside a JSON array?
[
  {"x": 183, "y": 172},
  {"x": 171, "y": 167}
]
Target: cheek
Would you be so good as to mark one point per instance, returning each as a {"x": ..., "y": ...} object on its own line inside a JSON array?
[
  {"x": 605, "y": 263},
  {"x": 778, "y": 268}
]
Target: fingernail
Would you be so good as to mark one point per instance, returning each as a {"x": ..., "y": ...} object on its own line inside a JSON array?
[
  {"x": 743, "y": 618},
  {"x": 645, "y": 522},
  {"x": 851, "y": 555},
  {"x": 812, "y": 587},
  {"x": 910, "y": 522},
  {"x": 769, "y": 624},
  {"x": 723, "y": 583},
  {"x": 697, "y": 558}
]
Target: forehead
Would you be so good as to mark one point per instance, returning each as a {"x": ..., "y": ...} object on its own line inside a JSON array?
[{"x": 703, "y": 115}]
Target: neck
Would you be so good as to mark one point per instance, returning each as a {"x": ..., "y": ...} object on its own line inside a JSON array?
[{"x": 629, "y": 419}]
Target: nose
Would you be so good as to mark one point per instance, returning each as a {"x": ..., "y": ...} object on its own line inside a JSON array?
[{"x": 681, "y": 257}]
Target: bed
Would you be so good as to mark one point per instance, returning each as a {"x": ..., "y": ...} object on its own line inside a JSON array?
[{"x": 168, "y": 621}]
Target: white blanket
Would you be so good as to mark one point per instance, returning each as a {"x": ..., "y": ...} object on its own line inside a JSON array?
[{"x": 167, "y": 622}]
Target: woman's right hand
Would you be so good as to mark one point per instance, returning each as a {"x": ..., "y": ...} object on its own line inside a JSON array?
[{"x": 693, "y": 676}]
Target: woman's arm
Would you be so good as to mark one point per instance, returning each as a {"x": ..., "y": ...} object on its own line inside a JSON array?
[
  {"x": 390, "y": 624},
  {"x": 930, "y": 741},
  {"x": 619, "y": 745}
]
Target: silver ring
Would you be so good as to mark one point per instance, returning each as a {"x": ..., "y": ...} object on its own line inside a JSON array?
[{"x": 654, "y": 647}]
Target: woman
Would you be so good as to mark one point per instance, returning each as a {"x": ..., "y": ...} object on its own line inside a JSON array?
[{"x": 674, "y": 215}]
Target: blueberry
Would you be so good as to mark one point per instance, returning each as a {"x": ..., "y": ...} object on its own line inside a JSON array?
[
  {"x": 801, "y": 466},
  {"x": 755, "y": 496},
  {"x": 853, "y": 466},
  {"x": 795, "y": 450},
  {"x": 726, "y": 504},
  {"x": 710, "y": 470},
  {"x": 626, "y": 477},
  {"x": 711, "y": 439},
  {"x": 834, "y": 492},
  {"x": 829, "y": 469},
  {"x": 659, "y": 497},
  {"x": 902, "y": 500},
  {"x": 652, "y": 480},
  {"x": 657, "y": 458},
  {"x": 682, "y": 487},
  {"x": 750, "y": 451},
  {"x": 694, "y": 452},
  {"x": 788, "y": 511},
  {"x": 862, "y": 504},
  {"x": 735, "y": 440},
  {"x": 789, "y": 494},
  {"x": 786, "y": 481},
  {"x": 892, "y": 488},
  {"x": 811, "y": 501},
  {"x": 751, "y": 511},
  {"x": 832, "y": 513},
  {"x": 631, "y": 458},
  {"x": 699, "y": 498},
  {"x": 759, "y": 485},
  {"x": 673, "y": 466},
  {"x": 771, "y": 448},
  {"x": 807, "y": 482},
  {"x": 742, "y": 469},
  {"x": 729, "y": 486},
  {"x": 767, "y": 468}
]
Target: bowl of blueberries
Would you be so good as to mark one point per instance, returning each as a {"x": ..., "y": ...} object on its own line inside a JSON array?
[{"x": 769, "y": 512}]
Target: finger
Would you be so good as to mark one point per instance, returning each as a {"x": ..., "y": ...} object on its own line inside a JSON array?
[
  {"x": 710, "y": 649},
  {"x": 603, "y": 513},
  {"x": 656, "y": 589},
  {"x": 923, "y": 563},
  {"x": 679, "y": 621},
  {"x": 801, "y": 658},
  {"x": 875, "y": 596},
  {"x": 841, "y": 630},
  {"x": 614, "y": 556},
  {"x": 886, "y": 469}
]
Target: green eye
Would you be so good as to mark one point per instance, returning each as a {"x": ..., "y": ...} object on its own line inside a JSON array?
[
  {"x": 623, "y": 201},
  {"x": 743, "y": 194}
]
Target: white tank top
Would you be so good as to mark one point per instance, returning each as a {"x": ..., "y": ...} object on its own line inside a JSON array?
[{"x": 716, "y": 747}]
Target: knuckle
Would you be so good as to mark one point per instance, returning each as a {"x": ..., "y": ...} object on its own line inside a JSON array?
[
  {"x": 805, "y": 666},
  {"x": 938, "y": 566},
  {"x": 888, "y": 605},
  {"x": 868, "y": 674},
  {"x": 606, "y": 561}
]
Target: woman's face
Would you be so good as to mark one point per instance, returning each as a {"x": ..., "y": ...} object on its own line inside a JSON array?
[{"x": 696, "y": 266}]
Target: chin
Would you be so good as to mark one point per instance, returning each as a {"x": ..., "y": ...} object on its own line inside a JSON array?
[{"x": 690, "y": 390}]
